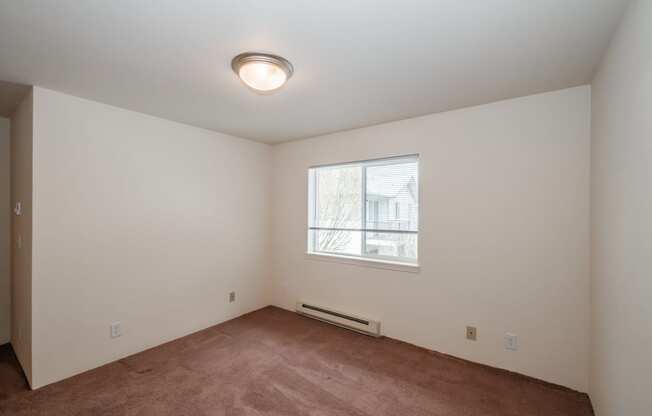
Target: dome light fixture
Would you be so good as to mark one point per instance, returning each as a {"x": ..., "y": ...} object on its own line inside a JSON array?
[{"x": 262, "y": 72}]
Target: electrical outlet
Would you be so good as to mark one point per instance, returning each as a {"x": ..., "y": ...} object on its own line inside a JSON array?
[
  {"x": 231, "y": 297},
  {"x": 511, "y": 342},
  {"x": 116, "y": 331},
  {"x": 471, "y": 333}
]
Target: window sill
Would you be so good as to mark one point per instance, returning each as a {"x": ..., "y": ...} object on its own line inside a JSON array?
[{"x": 365, "y": 262}]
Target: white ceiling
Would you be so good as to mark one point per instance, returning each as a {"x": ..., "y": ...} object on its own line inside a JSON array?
[{"x": 357, "y": 62}]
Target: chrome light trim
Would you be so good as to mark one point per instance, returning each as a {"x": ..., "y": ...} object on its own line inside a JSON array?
[{"x": 247, "y": 57}]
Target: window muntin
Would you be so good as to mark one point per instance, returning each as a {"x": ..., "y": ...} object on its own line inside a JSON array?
[{"x": 365, "y": 209}]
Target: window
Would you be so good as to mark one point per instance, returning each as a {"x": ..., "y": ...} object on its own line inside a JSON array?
[{"x": 365, "y": 209}]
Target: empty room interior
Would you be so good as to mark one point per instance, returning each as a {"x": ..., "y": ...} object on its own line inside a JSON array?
[{"x": 362, "y": 207}]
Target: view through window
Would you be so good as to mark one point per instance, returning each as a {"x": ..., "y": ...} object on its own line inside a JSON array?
[{"x": 365, "y": 209}]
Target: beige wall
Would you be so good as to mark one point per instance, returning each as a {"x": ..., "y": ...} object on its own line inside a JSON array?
[
  {"x": 5, "y": 232},
  {"x": 21, "y": 190},
  {"x": 151, "y": 223},
  {"x": 622, "y": 220},
  {"x": 143, "y": 221},
  {"x": 504, "y": 233}
]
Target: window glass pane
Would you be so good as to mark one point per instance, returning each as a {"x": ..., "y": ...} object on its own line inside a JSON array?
[
  {"x": 401, "y": 247},
  {"x": 338, "y": 241},
  {"x": 352, "y": 204},
  {"x": 392, "y": 197},
  {"x": 339, "y": 197}
]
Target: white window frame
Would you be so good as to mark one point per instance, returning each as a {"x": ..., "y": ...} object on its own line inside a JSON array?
[{"x": 380, "y": 261}]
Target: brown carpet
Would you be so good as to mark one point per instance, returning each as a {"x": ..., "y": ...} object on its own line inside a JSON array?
[
  {"x": 12, "y": 380},
  {"x": 274, "y": 362}
]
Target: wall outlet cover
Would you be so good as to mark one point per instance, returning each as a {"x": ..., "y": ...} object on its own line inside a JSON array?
[
  {"x": 471, "y": 333},
  {"x": 116, "y": 331},
  {"x": 231, "y": 297},
  {"x": 511, "y": 342}
]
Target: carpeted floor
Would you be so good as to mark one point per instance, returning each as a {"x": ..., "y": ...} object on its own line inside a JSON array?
[
  {"x": 12, "y": 380},
  {"x": 274, "y": 362}
]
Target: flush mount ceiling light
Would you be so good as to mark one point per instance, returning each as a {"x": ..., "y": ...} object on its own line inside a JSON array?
[{"x": 261, "y": 71}]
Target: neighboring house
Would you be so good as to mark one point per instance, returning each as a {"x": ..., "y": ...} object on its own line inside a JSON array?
[{"x": 392, "y": 208}]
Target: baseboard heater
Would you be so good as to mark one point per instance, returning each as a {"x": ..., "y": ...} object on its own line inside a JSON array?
[{"x": 345, "y": 320}]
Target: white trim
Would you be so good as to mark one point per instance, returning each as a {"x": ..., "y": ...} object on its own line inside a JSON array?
[
  {"x": 365, "y": 262},
  {"x": 370, "y": 230},
  {"x": 371, "y": 162},
  {"x": 363, "y": 203},
  {"x": 365, "y": 259}
]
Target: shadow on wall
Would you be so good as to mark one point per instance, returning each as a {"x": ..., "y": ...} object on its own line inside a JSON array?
[
  {"x": 5, "y": 232},
  {"x": 10, "y": 96}
]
